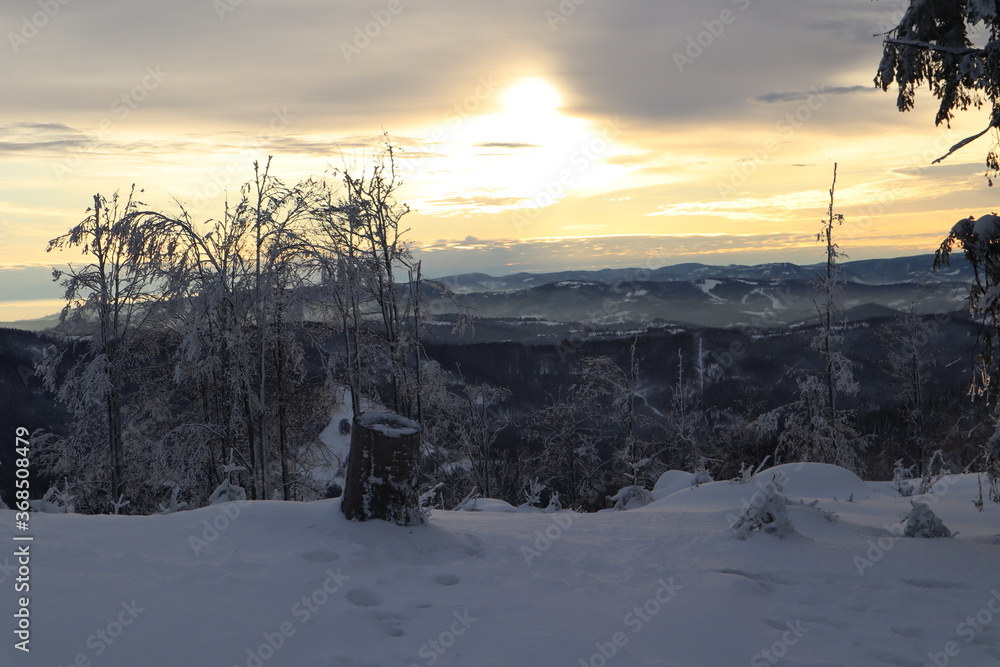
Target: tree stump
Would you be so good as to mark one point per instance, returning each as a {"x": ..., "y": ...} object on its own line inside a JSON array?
[{"x": 382, "y": 469}]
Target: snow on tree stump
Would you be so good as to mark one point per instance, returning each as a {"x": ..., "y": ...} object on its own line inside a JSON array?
[{"x": 382, "y": 469}]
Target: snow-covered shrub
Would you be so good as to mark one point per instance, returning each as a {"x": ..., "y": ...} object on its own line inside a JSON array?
[
  {"x": 701, "y": 476},
  {"x": 931, "y": 478},
  {"x": 631, "y": 497},
  {"x": 767, "y": 512},
  {"x": 227, "y": 491},
  {"x": 56, "y": 501},
  {"x": 900, "y": 475},
  {"x": 172, "y": 505},
  {"x": 554, "y": 503},
  {"x": 468, "y": 503},
  {"x": 533, "y": 493},
  {"x": 747, "y": 473},
  {"x": 922, "y": 522}
]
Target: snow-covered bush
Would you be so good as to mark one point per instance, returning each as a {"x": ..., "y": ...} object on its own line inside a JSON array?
[
  {"x": 900, "y": 475},
  {"x": 931, "y": 477},
  {"x": 56, "y": 501},
  {"x": 922, "y": 522},
  {"x": 631, "y": 497},
  {"x": 554, "y": 503},
  {"x": 468, "y": 503},
  {"x": 227, "y": 491},
  {"x": 533, "y": 493},
  {"x": 701, "y": 476},
  {"x": 172, "y": 505},
  {"x": 766, "y": 512}
]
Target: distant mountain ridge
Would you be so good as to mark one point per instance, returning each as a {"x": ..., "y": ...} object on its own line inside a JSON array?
[{"x": 893, "y": 271}]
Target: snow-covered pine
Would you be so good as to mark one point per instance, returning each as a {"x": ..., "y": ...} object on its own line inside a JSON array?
[
  {"x": 922, "y": 522},
  {"x": 631, "y": 497},
  {"x": 949, "y": 48}
]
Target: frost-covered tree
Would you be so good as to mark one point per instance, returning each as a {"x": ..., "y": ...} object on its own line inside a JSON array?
[
  {"x": 566, "y": 436},
  {"x": 909, "y": 365},
  {"x": 237, "y": 284},
  {"x": 110, "y": 302},
  {"x": 952, "y": 47},
  {"x": 815, "y": 428},
  {"x": 979, "y": 239},
  {"x": 610, "y": 393}
]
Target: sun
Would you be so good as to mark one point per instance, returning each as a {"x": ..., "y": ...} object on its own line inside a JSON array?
[{"x": 532, "y": 95}]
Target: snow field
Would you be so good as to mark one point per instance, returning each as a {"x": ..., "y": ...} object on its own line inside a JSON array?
[{"x": 295, "y": 584}]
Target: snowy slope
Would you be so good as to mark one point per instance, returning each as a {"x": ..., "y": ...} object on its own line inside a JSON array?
[{"x": 663, "y": 585}]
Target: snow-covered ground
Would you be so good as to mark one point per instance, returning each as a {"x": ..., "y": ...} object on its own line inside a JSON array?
[{"x": 294, "y": 584}]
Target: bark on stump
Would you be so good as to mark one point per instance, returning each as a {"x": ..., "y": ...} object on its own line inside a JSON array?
[{"x": 382, "y": 469}]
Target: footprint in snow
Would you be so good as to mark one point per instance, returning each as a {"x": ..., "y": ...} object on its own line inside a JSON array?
[
  {"x": 446, "y": 579},
  {"x": 362, "y": 597}
]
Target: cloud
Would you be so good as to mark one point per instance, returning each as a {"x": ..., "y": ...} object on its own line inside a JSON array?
[{"x": 802, "y": 96}]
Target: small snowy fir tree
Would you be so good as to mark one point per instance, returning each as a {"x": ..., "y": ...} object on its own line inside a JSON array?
[
  {"x": 922, "y": 522},
  {"x": 767, "y": 512},
  {"x": 631, "y": 497},
  {"x": 227, "y": 491}
]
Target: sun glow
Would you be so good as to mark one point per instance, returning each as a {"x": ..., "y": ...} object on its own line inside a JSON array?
[
  {"x": 531, "y": 96},
  {"x": 518, "y": 150}
]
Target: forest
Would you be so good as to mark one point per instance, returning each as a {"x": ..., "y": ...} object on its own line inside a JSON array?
[{"x": 197, "y": 354}]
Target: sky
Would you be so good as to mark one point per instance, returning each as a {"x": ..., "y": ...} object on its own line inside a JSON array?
[{"x": 533, "y": 135}]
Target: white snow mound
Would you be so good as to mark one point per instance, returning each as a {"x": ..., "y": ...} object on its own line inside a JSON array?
[{"x": 818, "y": 480}]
